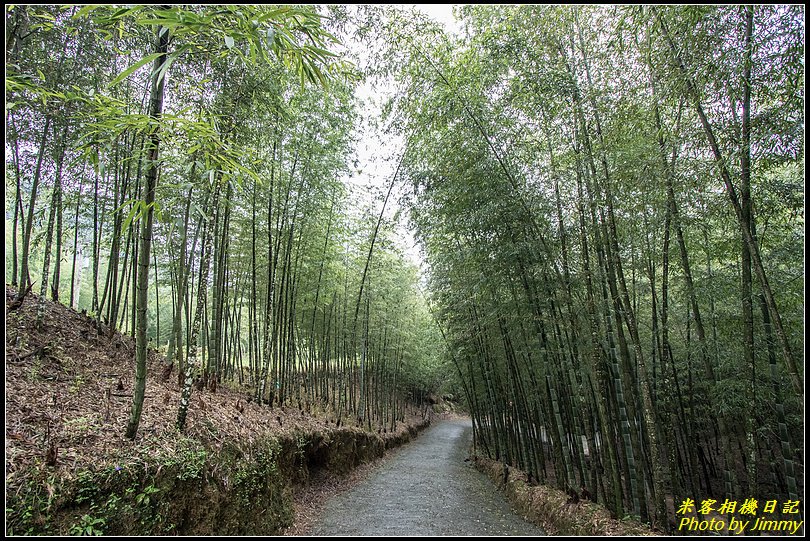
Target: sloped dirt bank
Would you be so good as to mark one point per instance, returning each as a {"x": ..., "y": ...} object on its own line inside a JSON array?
[
  {"x": 191, "y": 491},
  {"x": 69, "y": 469},
  {"x": 550, "y": 509}
]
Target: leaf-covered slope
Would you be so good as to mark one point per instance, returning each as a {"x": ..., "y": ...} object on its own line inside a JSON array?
[{"x": 69, "y": 387}]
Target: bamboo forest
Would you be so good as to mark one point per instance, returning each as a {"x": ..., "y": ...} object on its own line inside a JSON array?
[{"x": 250, "y": 247}]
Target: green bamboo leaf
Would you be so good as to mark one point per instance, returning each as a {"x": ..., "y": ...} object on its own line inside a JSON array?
[
  {"x": 127, "y": 72},
  {"x": 135, "y": 210},
  {"x": 84, "y": 11},
  {"x": 168, "y": 20},
  {"x": 165, "y": 67},
  {"x": 120, "y": 208},
  {"x": 196, "y": 210},
  {"x": 124, "y": 11},
  {"x": 46, "y": 16},
  {"x": 157, "y": 210},
  {"x": 322, "y": 53},
  {"x": 229, "y": 42}
]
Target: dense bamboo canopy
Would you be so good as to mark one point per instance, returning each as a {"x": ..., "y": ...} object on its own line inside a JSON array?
[{"x": 608, "y": 200}]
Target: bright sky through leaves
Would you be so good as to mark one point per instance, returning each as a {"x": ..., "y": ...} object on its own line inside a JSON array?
[{"x": 378, "y": 152}]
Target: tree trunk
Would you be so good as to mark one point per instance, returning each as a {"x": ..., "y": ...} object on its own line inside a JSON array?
[
  {"x": 155, "y": 111},
  {"x": 25, "y": 278},
  {"x": 18, "y": 211},
  {"x": 57, "y": 267},
  {"x": 73, "y": 275},
  {"x": 183, "y": 273},
  {"x": 748, "y": 222},
  {"x": 202, "y": 287},
  {"x": 748, "y": 238},
  {"x": 43, "y": 291}
]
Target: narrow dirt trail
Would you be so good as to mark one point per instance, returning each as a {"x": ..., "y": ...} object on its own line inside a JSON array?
[{"x": 425, "y": 489}]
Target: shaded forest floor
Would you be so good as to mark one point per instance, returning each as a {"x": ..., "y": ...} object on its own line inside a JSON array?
[{"x": 69, "y": 392}]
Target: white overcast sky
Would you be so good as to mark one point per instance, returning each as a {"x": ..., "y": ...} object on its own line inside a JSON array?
[
  {"x": 442, "y": 13},
  {"x": 377, "y": 153}
]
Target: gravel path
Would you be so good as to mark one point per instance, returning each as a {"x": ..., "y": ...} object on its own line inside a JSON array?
[{"x": 425, "y": 489}]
